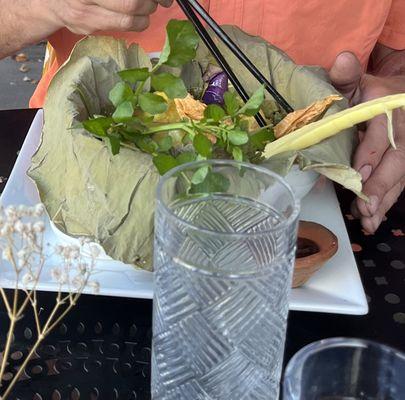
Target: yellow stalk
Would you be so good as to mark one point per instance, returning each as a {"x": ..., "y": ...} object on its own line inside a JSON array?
[{"x": 331, "y": 125}]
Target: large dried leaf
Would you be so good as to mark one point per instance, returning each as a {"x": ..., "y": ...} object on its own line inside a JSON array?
[{"x": 86, "y": 191}]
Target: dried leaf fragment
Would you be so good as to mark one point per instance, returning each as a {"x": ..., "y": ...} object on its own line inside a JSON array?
[
  {"x": 21, "y": 57},
  {"x": 24, "y": 68},
  {"x": 179, "y": 109},
  {"x": 300, "y": 118},
  {"x": 190, "y": 108}
]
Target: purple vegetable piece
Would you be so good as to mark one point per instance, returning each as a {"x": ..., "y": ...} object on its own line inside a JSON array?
[{"x": 217, "y": 86}]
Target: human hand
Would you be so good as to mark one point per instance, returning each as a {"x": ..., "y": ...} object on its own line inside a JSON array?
[
  {"x": 87, "y": 16},
  {"x": 382, "y": 167}
]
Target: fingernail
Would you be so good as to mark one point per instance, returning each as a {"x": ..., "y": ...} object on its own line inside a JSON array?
[
  {"x": 373, "y": 203},
  {"x": 365, "y": 172}
]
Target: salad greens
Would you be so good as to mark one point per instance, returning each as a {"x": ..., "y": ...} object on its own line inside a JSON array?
[{"x": 221, "y": 132}]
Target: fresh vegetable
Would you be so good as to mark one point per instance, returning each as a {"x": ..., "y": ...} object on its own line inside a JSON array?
[
  {"x": 217, "y": 86},
  {"x": 314, "y": 133}
]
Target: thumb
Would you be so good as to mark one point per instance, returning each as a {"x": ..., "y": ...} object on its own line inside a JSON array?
[{"x": 345, "y": 75}]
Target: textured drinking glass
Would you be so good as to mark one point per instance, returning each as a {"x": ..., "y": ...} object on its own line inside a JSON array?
[
  {"x": 224, "y": 254},
  {"x": 345, "y": 369}
]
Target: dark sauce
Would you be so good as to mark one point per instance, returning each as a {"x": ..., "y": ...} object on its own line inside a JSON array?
[{"x": 306, "y": 247}]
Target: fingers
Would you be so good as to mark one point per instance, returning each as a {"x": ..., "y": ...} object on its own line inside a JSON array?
[
  {"x": 371, "y": 224},
  {"x": 88, "y": 16},
  {"x": 346, "y": 74},
  {"x": 381, "y": 166},
  {"x": 373, "y": 144},
  {"x": 165, "y": 3},
  {"x": 388, "y": 173},
  {"x": 129, "y": 7},
  {"x": 80, "y": 22}
]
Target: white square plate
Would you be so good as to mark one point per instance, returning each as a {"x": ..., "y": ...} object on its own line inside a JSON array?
[{"x": 336, "y": 288}]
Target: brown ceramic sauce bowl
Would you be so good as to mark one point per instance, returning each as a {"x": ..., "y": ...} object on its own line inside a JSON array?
[{"x": 315, "y": 245}]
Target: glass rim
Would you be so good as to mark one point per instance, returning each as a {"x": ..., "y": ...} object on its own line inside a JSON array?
[
  {"x": 196, "y": 164},
  {"x": 309, "y": 350}
]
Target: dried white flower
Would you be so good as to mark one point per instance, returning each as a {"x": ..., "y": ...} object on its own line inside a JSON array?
[
  {"x": 22, "y": 262},
  {"x": 19, "y": 226},
  {"x": 55, "y": 274},
  {"x": 95, "y": 250},
  {"x": 71, "y": 252},
  {"x": 59, "y": 249},
  {"x": 59, "y": 276},
  {"x": 95, "y": 286},
  {"x": 28, "y": 278},
  {"x": 82, "y": 267},
  {"x": 39, "y": 210},
  {"x": 28, "y": 228},
  {"x": 23, "y": 210},
  {"x": 7, "y": 229},
  {"x": 74, "y": 252},
  {"x": 7, "y": 254},
  {"x": 22, "y": 253},
  {"x": 39, "y": 227},
  {"x": 11, "y": 213},
  {"x": 78, "y": 281},
  {"x": 84, "y": 240}
]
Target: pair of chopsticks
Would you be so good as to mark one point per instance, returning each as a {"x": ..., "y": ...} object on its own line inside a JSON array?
[{"x": 190, "y": 8}]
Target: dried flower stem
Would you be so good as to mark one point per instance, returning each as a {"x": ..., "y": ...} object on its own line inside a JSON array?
[{"x": 27, "y": 259}]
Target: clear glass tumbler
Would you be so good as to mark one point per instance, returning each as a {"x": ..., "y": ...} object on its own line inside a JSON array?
[
  {"x": 224, "y": 255},
  {"x": 345, "y": 369}
]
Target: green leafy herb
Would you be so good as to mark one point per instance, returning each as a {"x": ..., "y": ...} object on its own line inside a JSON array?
[
  {"x": 202, "y": 145},
  {"x": 123, "y": 112},
  {"x": 199, "y": 175},
  {"x": 252, "y": 106},
  {"x": 259, "y": 140},
  {"x": 186, "y": 157},
  {"x": 152, "y": 103},
  {"x": 98, "y": 126},
  {"x": 114, "y": 143},
  {"x": 165, "y": 143},
  {"x": 119, "y": 93},
  {"x": 181, "y": 43},
  {"x": 146, "y": 144},
  {"x": 231, "y": 103},
  {"x": 172, "y": 85},
  {"x": 134, "y": 75},
  {"x": 214, "y": 182},
  {"x": 214, "y": 112},
  {"x": 238, "y": 137},
  {"x": 164, "y": 163},
  {"x": 237, "y": 154}
]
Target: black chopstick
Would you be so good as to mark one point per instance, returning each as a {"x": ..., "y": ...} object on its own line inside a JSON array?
[
  {"x": 238, "y": 53},
  {"x": 206, "y": 38}
]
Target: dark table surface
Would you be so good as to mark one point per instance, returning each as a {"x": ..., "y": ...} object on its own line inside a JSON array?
[{"x": 102, "y": 349}]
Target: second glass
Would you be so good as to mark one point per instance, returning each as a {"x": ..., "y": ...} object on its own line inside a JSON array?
[
  {"x": 224, "y": 256},
  {"x": 345, "y": 369}
]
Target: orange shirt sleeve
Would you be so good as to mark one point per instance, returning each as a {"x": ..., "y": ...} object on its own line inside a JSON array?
[{"x": 393, "y": 34}]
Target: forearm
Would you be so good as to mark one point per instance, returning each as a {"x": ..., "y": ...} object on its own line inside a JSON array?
[
  {"x": 386, "y": 62},
  {"x": 23, "y": 22}
]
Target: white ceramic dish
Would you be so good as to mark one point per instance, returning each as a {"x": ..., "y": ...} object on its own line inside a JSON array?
[{"x": 336, "y": 288}]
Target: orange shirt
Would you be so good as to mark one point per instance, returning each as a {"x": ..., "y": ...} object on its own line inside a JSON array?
[{"x": 311, "y": 32}]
